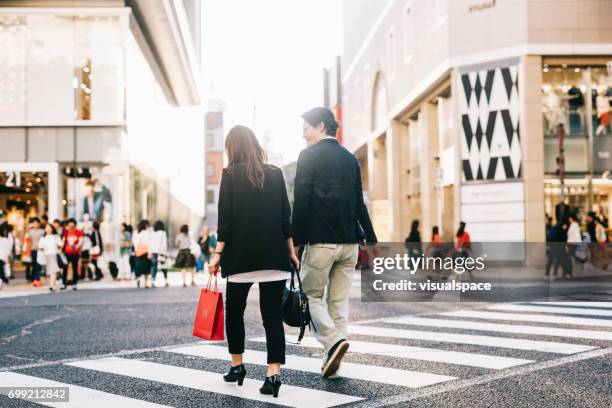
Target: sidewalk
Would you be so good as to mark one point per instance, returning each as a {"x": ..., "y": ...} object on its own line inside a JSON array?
[{"x": 21, "y": 287}]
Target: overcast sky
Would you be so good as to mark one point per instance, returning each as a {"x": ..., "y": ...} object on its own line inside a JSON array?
[{"x": 270, "y": 54}]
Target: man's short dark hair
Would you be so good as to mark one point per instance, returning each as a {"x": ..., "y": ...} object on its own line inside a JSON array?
[{"x": 317, "y": 115}]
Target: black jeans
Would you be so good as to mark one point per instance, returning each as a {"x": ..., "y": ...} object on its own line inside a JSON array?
[
  {"x": 270, "y": 300},
  {"x": 73, "y": 259}
]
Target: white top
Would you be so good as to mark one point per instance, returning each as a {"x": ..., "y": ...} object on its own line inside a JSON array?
[
  {"x": 573, "y": 233},
  {"x": 182, "y": 241},
  {"x": 5, "y": 249},
  {"x": 259, "y": 276},
  {"x": 158, "y": 243},
  {"x": 50, "y": 244},
  {"x": 142, "y": 237}
]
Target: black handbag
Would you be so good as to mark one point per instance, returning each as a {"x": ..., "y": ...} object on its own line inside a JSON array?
[{"x": 295, "y": 306}]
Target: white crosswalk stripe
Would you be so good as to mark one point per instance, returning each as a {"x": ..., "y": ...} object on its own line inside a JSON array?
[
  {"x": 423, "y": 354},
  {"x": 290, "y": 396},
  {"x": 394, "y": 376},
  {"x": 78, "y": 396},
  {"x": 491, "y": 341},
  {"x": 603, "y": 305},
  {"x": 552, "y": 309},
  {"x": 503, "y": 328},
  {"x": 538, "y": 318}
]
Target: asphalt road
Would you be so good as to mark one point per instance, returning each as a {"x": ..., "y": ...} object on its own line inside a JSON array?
[{"x": 69, "y": 337}]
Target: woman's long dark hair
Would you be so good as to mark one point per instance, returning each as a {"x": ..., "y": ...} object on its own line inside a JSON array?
[
  {"x": 461, "y": 229},
  {"x": 242, "y": 146}
]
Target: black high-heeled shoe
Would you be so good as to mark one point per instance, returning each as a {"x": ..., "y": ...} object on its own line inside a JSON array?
[
  {"x": 236, "y": 373},
  {"x": 271, "y": 385}
]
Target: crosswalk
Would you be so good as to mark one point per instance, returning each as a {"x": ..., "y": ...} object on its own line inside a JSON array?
[{"x": 387, "y": 356}]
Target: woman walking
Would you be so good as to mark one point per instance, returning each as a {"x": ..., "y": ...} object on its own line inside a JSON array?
[
  {"x": 254, "y": 246},
  {"x": 185, "y": 260},
  {"x": 159, "y": 250},
  {"x": 413, "y": 241},
  {"x": 204, "y": 242},
  {"x": 5, "y": 254},
  {"x": 50, "y": 245},
  {"x": 142, "y": 263},
  {"x": 96, "y": 250},
  {"x": 125, "y": 266}
]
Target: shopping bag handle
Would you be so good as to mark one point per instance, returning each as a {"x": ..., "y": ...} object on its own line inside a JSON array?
[{"x": 209, "y": 284}]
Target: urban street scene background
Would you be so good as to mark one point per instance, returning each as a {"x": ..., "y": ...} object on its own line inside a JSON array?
[{"x": 482, "y": 131}]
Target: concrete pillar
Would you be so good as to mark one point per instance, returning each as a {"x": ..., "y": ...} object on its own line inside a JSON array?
[
  {"x": 394, "y": 179},
  {"x": 428, "y": 136},
  {"x": 532, "y": 143}
]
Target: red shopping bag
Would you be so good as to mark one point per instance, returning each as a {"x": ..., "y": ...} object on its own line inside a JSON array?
[{"x": 208, "y": 323}]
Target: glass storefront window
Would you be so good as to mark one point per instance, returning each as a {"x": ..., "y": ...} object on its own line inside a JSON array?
[
  {"x": 12, "y": 68},
  {"x": 577, "y": 100},
  {"x": 58, "y": 69}
]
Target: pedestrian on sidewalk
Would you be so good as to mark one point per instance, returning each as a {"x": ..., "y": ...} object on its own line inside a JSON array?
[
  {"x": 125, "y": 251},
  {"x": 86, "y": 246},
  {"x": 50, "y": 245},
  {"x": 159, "y": 251},
  {"x": 5, "y": 253},
  {"x": 26, "y": 255},
  {"x": 254, "y": 246},
  {"x": 574, "y": 238},
  {"x": 205, "y": 249},
  {"x": 463, "y": 245},
  {"x": 329, "y": 214},
  {"x": 185, "y": 260},
  {"x": 35, "y": 234},
  {"x": 142, "y": 244},
  {"x": 71, "y": 244},
  {"x": 96, "y": 251},
  {"x": 413, "y": 241}
]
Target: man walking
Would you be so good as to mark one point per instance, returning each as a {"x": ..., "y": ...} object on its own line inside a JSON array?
[
  {"x": 329, "y": 219},
  {"x": 35, "y": 233}
]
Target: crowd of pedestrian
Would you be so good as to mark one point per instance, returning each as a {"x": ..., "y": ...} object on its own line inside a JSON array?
[
  {"x": 67, "y": 251},
  {"x": 569, "y": 244}
]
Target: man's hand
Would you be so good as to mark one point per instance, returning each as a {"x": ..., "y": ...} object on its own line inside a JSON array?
[{"x": 374, "y": 250}]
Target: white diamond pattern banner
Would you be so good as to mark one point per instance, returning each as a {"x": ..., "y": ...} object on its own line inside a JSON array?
[{"x": 490, "y": 138}]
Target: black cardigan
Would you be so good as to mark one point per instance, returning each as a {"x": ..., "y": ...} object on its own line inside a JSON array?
[{"x": 254, "y": 223}]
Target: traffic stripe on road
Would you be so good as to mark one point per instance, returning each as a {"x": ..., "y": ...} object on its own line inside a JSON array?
[
  {"x": 423, "y": 354},
  {"x": 393, "y": 376},
  {"x": 491, "y": 341},
  {"x": 552, "y": 309},
  {"x": 604, "y": 305},
  {"x": 522, "y": 317},
  {"x": 503, "y": 328},
  {"x": 78, "y": 396},
  {"x": 289, "y": 395}
]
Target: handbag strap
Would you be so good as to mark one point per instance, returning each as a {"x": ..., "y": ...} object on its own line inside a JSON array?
[{"x": 295, "y": 272}]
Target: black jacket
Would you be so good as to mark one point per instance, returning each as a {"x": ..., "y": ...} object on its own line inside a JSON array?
[
  {"x": 254, "y": 223},
  {"x": 328, "y": 198}
]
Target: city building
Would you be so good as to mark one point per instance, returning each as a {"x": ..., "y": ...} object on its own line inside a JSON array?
[
  {"x": 215, "y": 134},
  {"x": 100, "y": 112},
  {"x": 457, "y": 111}
]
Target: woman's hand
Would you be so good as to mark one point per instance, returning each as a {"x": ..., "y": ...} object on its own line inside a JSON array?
[
  {"x": 213, "y": 265},
  {"x": 294, "y": 260}
]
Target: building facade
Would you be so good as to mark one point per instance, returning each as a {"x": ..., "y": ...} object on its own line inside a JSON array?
[
  {"x": 100, "y": 113},
  {"x": 215, "y": 142},
  {"x": 459, "y": 110}
]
